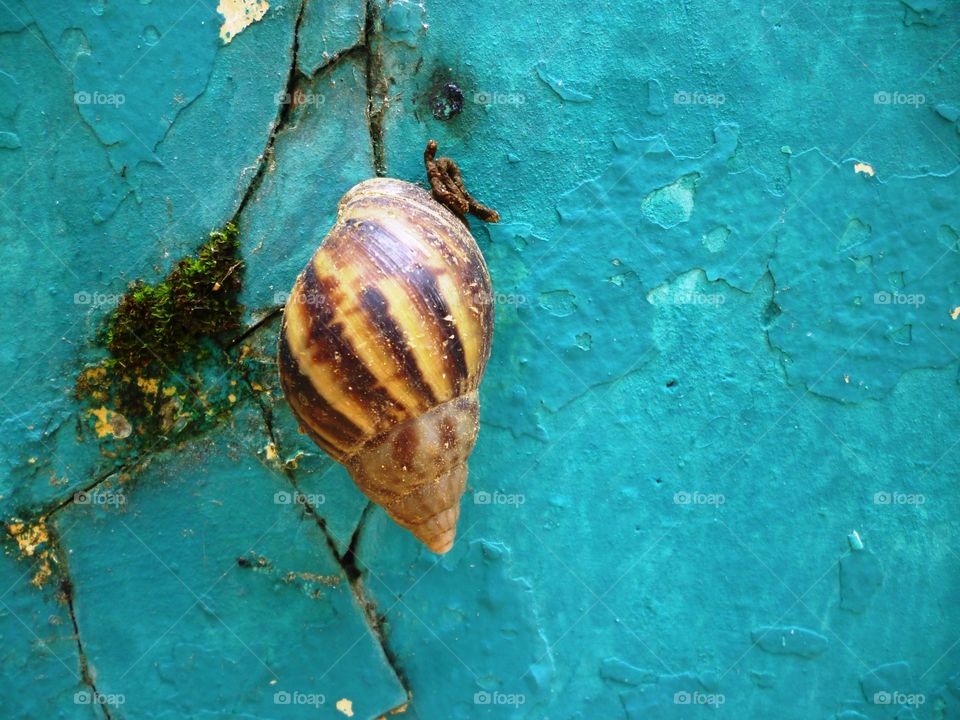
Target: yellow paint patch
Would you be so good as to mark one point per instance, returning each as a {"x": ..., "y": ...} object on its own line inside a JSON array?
[
  {"x": 345, "y": 706},
  {"x": 865, "y": 168},
  {"x": 110, "y": 422},
  {"x": 29, "y": 538},
  {"x": 271, "y": 451},
  {"x": 149, "y": 386},
  {"x": 955, "y": 313},
  {"x": 238, "y": 15}
]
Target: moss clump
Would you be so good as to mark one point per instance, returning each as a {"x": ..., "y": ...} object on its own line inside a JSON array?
[{"x": 197, "y": 299}]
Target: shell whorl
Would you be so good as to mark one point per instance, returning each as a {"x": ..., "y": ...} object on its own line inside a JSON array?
[
  {"x": 417, "y": 471},
  {"x": 388, "y": 324}
]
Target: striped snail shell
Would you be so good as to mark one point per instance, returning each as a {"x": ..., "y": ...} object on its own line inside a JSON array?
[{"x": 384, "y": 341}]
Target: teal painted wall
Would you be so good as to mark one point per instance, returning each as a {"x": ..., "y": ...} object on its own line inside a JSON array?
[{"x": 717, "y": 467}]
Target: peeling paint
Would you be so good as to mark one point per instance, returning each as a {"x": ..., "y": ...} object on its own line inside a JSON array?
[
  {"x": 345, "y": 706},
  {"x": 562, "y": 90},
  {"x": 33, "y": 540},
  {"x": 239, "y": 15},
  {"x": 110, "y": 423}
]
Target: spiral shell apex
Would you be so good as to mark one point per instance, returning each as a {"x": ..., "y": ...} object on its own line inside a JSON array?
[{"x": 384, "y": 341}]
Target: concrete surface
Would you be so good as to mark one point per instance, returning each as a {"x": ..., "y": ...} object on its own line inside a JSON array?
[{"x": 717, "y": 466}]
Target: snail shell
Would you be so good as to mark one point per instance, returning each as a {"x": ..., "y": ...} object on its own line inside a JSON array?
[{"x": 385, "y": 337}]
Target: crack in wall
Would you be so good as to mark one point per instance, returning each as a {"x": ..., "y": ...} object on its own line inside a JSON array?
[
  {"x": 50, "y": 510},
  {"x": 251, "y": 329},
  {"x": 377, "y": 87},
  {"x": 377, "y": 82},
  {"x": 350, "y": 557},
  {"x": 348, "y": 560},
  {"x": 66, "y": 588},
  {"x": 282, "y": 119}
]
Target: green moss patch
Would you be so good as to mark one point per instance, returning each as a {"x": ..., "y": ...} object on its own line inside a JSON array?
[
  {"x": 167, "y": 377},
  {"x": 158, "y": 323}
]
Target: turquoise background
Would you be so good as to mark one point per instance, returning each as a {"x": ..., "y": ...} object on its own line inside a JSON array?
[{"x": 717, "y": 466}]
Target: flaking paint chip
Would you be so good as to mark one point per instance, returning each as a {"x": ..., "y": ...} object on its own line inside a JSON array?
[
  {"x": 865, "y": 168},
  {"x": 110, "y": 422},
  {"x": 955, "y": 313},
  {"x": 345, "y": 706},
  {"x": 238, "y": 15}
]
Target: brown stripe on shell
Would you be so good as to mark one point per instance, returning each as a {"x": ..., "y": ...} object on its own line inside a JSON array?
[
  {"x": 380, "y": 249},
  {"x": 330, "y": 429},
  {"x": 393, "y": 258},
  {"x": 377, "y": 310},
  {"x": 329, "y": 345},
  {"x": 438, "y": 226},
  {"x": 468, "y": 267},
  {"x": 456, "y": 360},
  {"x": 445, "y": 236}
]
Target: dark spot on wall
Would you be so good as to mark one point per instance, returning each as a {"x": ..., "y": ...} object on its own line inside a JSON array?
[
  {"x": 672, "y": 383},
  {"x": 770, "y": 313},
  {"x": 447, "y": 102}
]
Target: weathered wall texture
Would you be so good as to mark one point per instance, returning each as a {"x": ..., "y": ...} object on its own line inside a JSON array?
[{"x": 718, "y": 459}]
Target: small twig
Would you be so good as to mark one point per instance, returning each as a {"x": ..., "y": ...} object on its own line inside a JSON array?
[
  {"x": 219, "y": 283},
  {"x": 448, "y": 189}
]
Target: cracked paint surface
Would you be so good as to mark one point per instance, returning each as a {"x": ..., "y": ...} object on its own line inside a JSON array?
[{"x": 716, "y": 470}]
